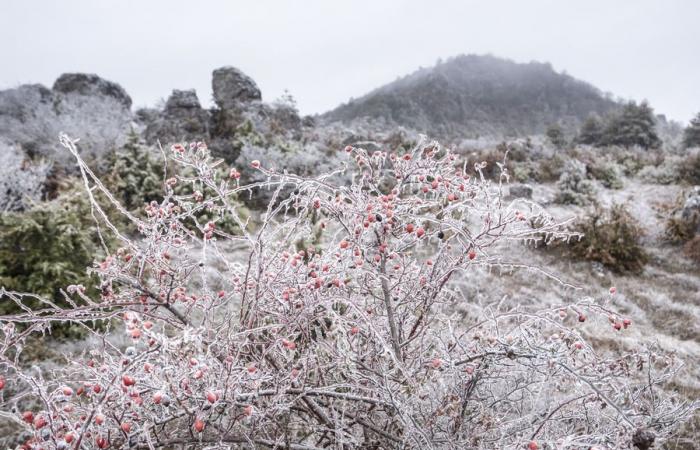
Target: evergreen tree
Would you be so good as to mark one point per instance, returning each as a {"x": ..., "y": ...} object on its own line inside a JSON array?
[
  {"x": 556, "y": 136},
  {"x": 591, "y": 132},
  {"x": 135, "y": 175},
  {"x": 691, "y": 135},
  {"x": 634, "y": 125}
]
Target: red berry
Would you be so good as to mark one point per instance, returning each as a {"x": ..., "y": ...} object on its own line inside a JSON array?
[
  {"x": 409, "y": 228},
  {"x": 626, "y": 323},
  {"x": 28, "y": 416},
  {"x": 344, "y": 244},
  {"x": 128, "y": 381},
  {"x": 248, "y": 410},
  {"x": 99, "y": 419},
  {"x": 581, "y": 318},
  {"x": 2, "y": 383},
  {"x": 211, "y": 397},
  {"x": 420, "y": 232},
  {"x": 67, "y": 391},
  {"x": 198, "y": 425},
  {"x": 101, "y": 442},
  {"x": 255, "y": 164},
  {"x": 617, "y": 326},
  {"x": 39, "y": 422},
  {"x": 436, "y": 363},
  {"x": 354, "y": 330},
  {"x": 126, "y": 427},
  {"x": 471, "y": 254},
  {"x": 532, "y": 445}
]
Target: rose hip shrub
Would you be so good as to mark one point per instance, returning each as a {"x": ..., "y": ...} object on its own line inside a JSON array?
[{"x": 244, "y": 341}]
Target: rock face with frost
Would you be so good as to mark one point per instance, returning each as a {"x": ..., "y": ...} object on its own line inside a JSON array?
[
  {"x": 182, "y": 119},
  {"x": 89, "y": 84},
  {"x": 231, "y": 87}
]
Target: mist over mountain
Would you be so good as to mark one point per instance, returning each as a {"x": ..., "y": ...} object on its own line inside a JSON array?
[{"x": 471, "y": 95}]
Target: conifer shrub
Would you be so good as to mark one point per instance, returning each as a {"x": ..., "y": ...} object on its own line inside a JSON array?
[{"x": 611, "y": 236}]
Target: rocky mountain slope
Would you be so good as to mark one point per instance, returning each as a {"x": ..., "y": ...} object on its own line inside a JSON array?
[{"x": 471, "y": 96}]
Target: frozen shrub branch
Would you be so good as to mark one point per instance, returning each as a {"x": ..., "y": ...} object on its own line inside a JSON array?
[{"x": 330, "y": 323}]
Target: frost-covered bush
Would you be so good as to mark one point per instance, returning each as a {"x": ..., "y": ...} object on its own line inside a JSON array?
[
  {"x": 689, "y": 169},
  {"x": 21, "y": 180},
  {"x": 573, "y": 186},
  {"x": 303, "y": 160},
  {"x": 611, "y": 237},
  {"x": 667, "y": 172},
  {"x": 608, "y": 173},
  {"x": 33, "y": 118},
  {"x": 349, "y": 343}
]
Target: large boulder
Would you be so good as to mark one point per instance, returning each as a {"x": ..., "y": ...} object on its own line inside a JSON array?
[
  {"x": 182, "y": 119},
  {"x": 90, "y": 84},
  {"x": 231, "y": 87}
]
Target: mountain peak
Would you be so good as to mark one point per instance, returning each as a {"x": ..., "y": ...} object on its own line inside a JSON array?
[{"x": 477, "y": 95}]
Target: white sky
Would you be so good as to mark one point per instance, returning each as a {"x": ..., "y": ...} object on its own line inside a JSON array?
[{"x": 326, "y": 51}]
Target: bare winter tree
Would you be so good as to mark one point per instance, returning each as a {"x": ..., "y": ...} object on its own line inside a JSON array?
[{"x": 330, "y": 324}]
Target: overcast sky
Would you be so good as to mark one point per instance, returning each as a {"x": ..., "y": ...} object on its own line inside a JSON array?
[{"x": 326, "y": 51}]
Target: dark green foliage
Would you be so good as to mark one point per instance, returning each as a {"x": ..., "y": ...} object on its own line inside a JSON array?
[
  {"x": 591, "y": 132},
  {"x": 691, "y": 135},
  {"x": 634, "y": 125},
  {"x": 556, "y": 136},
  {"x": 135, "y": 175},
  {"x": 45, "y": 249},
  {"x": 611, "y": 237}
]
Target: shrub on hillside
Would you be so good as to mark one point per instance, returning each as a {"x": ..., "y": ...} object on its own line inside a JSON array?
[
  {"x": 22, "y": 181},
  {"x": 689, "y": 169},
  {"x": 135, "y": 175},
  {"x": 691, "y": 134},
  {"x": 573, "y": 186},
  {"x": 45, "y": 249},
  {"x": 607, "y": 173},
  {"x": 611, "y": 237},
  {"x": 692, "y": 249},
  {"x": 350, "y": 343}
]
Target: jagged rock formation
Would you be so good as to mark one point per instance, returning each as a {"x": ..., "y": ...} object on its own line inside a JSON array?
[
  {"x": 472, "y": 96},
  {"x": 231, "y": 87},
  {"x": 91, "y": 85},
  {"x": 182, "y": 119}
]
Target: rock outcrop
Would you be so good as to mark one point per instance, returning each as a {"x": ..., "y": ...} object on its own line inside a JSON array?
[
  {"x": 182, "y": 119},
  {"x": 90, "y": 84},
  {"x": 231, "y": 87}
]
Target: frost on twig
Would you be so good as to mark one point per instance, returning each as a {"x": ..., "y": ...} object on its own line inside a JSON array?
[{"x": 328, "y": 323}]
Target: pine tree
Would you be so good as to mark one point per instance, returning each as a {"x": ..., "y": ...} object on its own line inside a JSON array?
[
  {"x": 591, "y": 132},
  {"x": 556, "y": 136},
  {"x": 135, "y": 175},
  {"x": 634, "y": 125},
  {"x": 691, "y": 135}
]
